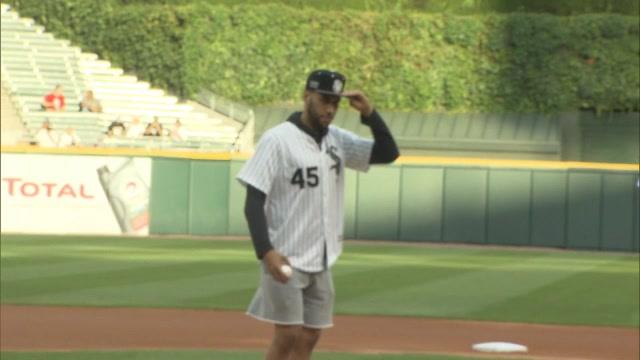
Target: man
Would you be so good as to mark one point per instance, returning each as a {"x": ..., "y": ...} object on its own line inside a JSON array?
[
  {"x": 178, "y": 133},
  {"x": 90, "y": 103},
  {"x": 54, "y": 101},
  {"x": 46, "y": 136},
  {"x": 135, "y": 129},
  {"x": 69, "y": 138},
  {"x": 294, "y": 208}
]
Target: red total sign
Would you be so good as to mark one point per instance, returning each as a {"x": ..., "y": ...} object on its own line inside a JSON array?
[{"x": 18, "y": 187}]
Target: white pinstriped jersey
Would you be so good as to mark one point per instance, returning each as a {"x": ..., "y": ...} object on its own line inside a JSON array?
[{"x": 304, "y": 184}]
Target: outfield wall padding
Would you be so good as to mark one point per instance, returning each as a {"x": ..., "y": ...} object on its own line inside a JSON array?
[
  {"x": 591, "y": 209},
  {"x": 190, "y": 197}
]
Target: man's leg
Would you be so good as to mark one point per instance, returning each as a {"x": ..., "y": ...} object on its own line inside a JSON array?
[
  {"x": 285, "y": 337},
  {"x": 305, "y": 343}
]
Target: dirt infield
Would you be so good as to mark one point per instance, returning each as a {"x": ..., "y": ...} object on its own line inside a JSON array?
[{"x": 70, "y": 328}]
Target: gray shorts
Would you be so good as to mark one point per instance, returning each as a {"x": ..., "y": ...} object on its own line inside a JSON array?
[{"x": 306, "y": 299}]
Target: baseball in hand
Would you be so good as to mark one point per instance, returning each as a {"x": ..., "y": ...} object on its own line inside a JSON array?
[{"x": 286, "y": 269}]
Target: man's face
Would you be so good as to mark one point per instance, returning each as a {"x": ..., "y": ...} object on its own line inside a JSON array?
[{"x": 321, "y": 108}]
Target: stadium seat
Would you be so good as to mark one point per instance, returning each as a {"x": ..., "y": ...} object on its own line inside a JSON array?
[{"x": 33, "y": 62}]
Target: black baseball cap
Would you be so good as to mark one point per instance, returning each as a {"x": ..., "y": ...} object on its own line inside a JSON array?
[{"x": 326, "y": 82}]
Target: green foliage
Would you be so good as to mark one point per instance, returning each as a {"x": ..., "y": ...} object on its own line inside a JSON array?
[
  {"x": 261, "y": 54},
  {"x": 565, "y": 7},
  {"x": 407, "y": 61}
]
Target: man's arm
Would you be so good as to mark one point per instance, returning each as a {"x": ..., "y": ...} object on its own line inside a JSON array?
[
  {"x": 257, "y": 220},
  {"x": 385, "y": 150}
]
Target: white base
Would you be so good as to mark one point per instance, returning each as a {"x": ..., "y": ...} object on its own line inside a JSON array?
[{"x": 497, "y": 346}]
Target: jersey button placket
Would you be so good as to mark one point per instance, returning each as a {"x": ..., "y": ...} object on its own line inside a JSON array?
[{"x": 325, "y": 200}]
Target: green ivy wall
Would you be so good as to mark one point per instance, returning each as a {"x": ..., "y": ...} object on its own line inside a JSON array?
[{"x": 261, "y": 54}]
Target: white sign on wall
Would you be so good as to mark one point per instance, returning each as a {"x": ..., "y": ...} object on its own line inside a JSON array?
[{"x": 62, "y": 194}]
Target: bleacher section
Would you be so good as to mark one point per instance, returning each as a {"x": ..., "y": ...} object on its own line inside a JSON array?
[
  {"x": 34, "y": 61},
  {"x": 520, "y": 136}
]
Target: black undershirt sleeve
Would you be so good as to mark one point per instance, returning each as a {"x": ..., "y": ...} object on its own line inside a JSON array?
[
  {"x": 385, "y": 150},
  {"x": 257, "y": 220}
]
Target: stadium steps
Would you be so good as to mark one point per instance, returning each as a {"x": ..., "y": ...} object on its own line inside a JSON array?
[{"x": 35, "y": 61}]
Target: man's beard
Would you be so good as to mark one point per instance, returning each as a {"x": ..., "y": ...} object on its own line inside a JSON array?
[{"x": 315, "y": 118}]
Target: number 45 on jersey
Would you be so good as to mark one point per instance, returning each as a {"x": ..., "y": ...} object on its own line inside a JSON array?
[{"x": 305, "y": 176}]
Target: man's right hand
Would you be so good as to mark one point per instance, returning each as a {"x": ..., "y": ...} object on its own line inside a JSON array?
[{"x": 274, "y": 261}]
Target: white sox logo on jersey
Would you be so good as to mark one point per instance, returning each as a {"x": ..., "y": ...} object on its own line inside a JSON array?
[{"x": 333, "y": 153}]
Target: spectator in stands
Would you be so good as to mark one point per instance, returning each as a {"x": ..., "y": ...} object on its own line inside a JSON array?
[
  {"x": 117, "y": 129},
  {"x": 154, "y": 128},
  {"x": 178, "y": 133},
  {"x": 90, "y": 103},
  {"x": 69, "y": 138},
  {"x": 46, "y": 136},
  {"x": 136, "y": 128},
  {"x": 54, "y": 101}
]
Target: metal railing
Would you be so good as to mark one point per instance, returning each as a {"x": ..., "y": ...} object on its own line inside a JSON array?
[{"x": 240, "y": 113}]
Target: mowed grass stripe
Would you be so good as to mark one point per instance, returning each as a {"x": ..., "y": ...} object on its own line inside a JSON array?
[
  {"x": 112, "y": 263},
  {"x": 601, "y": 299},
  {"x": 11, "y": 260},
  {"x": 142, "y": 249},
  {"x": 71, "y": 267},
  {"x": 133, "y": 275},
  {"x": 359, "y": 289},
  {"x": 457, "y": 287},
  {"x": 117, "y": 261},
  {"x": 478, "y": 259},
  {"x": 455, "y": 294},
  {"x": 188, "y": 292},
  {"x": 359, "y": 268},
  {"x": 186, "y": 281},
  {"x": 384, "y": 279}
]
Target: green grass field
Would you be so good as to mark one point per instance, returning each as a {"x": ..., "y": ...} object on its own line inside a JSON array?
[{"x": 536, "y": 286}]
